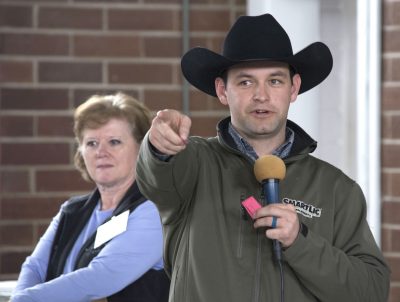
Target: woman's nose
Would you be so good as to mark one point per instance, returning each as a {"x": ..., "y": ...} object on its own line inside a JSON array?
[{"x": 101, "y": 149}]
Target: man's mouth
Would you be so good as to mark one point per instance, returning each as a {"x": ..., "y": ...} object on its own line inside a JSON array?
[{"x": 262, "y": 112}]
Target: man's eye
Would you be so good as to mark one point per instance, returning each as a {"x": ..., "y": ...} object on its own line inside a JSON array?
[
  {"x": 276, "y": 81},
  {"x": 245, "y": 83}
]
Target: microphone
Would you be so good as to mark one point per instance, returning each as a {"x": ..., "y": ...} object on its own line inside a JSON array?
[{"x": 269, "y": 170}]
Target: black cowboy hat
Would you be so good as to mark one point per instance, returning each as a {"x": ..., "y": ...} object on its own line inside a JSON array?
[{"x": 256, "y": 38}]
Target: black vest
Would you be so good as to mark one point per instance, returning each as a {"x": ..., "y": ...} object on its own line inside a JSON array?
[{"x": 153, "y": 286}]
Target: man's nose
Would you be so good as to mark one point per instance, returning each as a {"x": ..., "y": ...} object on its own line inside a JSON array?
[{"x": 261, "y": 93}]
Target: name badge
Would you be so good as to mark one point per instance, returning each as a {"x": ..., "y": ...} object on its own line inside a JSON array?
[{"x": 115, "y": 226}]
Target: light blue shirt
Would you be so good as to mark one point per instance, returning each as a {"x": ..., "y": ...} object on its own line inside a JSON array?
[{"x": 122, "y": 261}]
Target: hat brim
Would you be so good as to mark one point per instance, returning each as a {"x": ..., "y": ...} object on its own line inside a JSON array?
[{"x": 201, "y": 66}]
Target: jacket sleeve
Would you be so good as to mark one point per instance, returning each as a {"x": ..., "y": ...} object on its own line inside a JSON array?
[
  {"x": 166, "y": 183},
  {"x": 351, "y": 268},
  {"x": 123, "y": 260}
]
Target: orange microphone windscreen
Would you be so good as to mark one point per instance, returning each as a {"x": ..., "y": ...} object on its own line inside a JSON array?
[{"x": 269, "y": 167}]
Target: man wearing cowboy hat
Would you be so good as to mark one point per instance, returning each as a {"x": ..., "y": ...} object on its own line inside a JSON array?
[{"x": 213, "y": 251}]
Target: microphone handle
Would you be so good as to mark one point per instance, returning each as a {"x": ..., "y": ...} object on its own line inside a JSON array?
[
  {"x": 271, "y": 190},
  {"x": 271, "y": 195}
]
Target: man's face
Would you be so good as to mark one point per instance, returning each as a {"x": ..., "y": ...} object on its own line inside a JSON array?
[{"x": 258, "y": 95}]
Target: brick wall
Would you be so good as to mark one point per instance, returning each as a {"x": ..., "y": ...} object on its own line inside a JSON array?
[
  {"x": 391, "y": 141},
  {"x": 53, "y": 55}
]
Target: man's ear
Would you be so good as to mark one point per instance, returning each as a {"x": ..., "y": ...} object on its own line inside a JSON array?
[
  {"x": 220, "y": 89},
  {"x": 295, "y": 87}
]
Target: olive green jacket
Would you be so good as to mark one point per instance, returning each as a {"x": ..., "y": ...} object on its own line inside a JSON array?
[{"x": 214, "y": 254}]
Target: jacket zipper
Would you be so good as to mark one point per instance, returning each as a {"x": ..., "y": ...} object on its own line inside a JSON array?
[
  {"x": 242, "y": 218},
  {"x": 260, "y": 236},
  {"x": 258, "y": 269}
]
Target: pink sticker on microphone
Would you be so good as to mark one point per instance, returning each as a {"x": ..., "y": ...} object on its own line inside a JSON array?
[{"x": 251, "y": 205}]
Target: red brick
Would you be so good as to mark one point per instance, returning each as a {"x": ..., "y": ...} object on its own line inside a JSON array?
[
  {"x": 395, "y": 240},
  {"x": 107, "y": 46},
  {"x": 210, "y": 20},
  {"x": 199, "y": 101},
  {"x": 395, "y": 187},
  {"x": 8, "y": 235},
  {"x": 395, "y": 129},
  {"x": 72, "y": 18},
  {"x": 163, "y": 1},
  {"x": 213, "y": 43},
  {"x": 391, "y": 126},
  {"x": 39, "y": 230},
  {"x": 20, "y": 208},
  {"x": 386, "y": 240},
  {"x": 60, "y": 126},
  {"x": 386, "y": 126},
  {"x": 390, "y": 98},
  {"x": 162, "y": 47},
  {"x": 217, "y": 44},
  {"x": 81, "y": 95},
  {"x": 391, "y": 240},
  {"x": 162, "y": 99},
  {"x": 108, "y": 1},
  {"x": 391, "y": 41},
  {"x": 70, "y": 72},
  {"x": 33, "y": 99},
  {"x": 139, "y": 19},
  {"x": 391, "y": 69},
  {"x": 394, "y": 294},
  {"x": 391, "y": 13},
  {"x": 14, "y": 181},
  {"x": 67, "y": 180},
  {"x": 390, "y": 212},
  {"x": 204, "y": 126},
  {"x": 34, "y": 44},
  {"x": 386, "y": 183},
  {"x": 10, "y": 262},
  {"x": 140, "y": 73},
  {"x": 386, "y": 69},
  {"x": 199, "y": 41},
  {"x": 15, "y": 16},
  {"x": 12, "y": 71},
  {"x": 394, "y": 264},
  {"x": 35, "y": 153},
  {"x": 16, "y": 126},
  {"x": 391, "y": 156},
  {"x": 210, "y": 1}
]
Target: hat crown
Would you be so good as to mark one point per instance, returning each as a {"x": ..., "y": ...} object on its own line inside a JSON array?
[{"x": 257, "y": 38}]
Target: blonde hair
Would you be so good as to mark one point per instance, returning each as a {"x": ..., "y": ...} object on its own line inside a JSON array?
[{"x": 98, "y": 110}]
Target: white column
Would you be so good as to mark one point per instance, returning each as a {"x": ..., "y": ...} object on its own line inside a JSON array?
[
  {"x": 368, "y": 108},
  {"x": 300, "y": 19}
]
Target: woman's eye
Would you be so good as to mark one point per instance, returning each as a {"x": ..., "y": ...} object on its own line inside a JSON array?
[
  {"x": 114, "y": 142},
  {"x": 91, "y": 143}
]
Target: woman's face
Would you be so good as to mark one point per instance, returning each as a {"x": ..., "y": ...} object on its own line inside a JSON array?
[{"x": 110, "y": 153}]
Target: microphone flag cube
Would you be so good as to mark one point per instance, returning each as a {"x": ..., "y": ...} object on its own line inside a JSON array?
[{"x": 251, "y": 205}]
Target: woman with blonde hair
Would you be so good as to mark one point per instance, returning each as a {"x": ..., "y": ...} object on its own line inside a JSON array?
[{"x": 107, "y": 244}]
